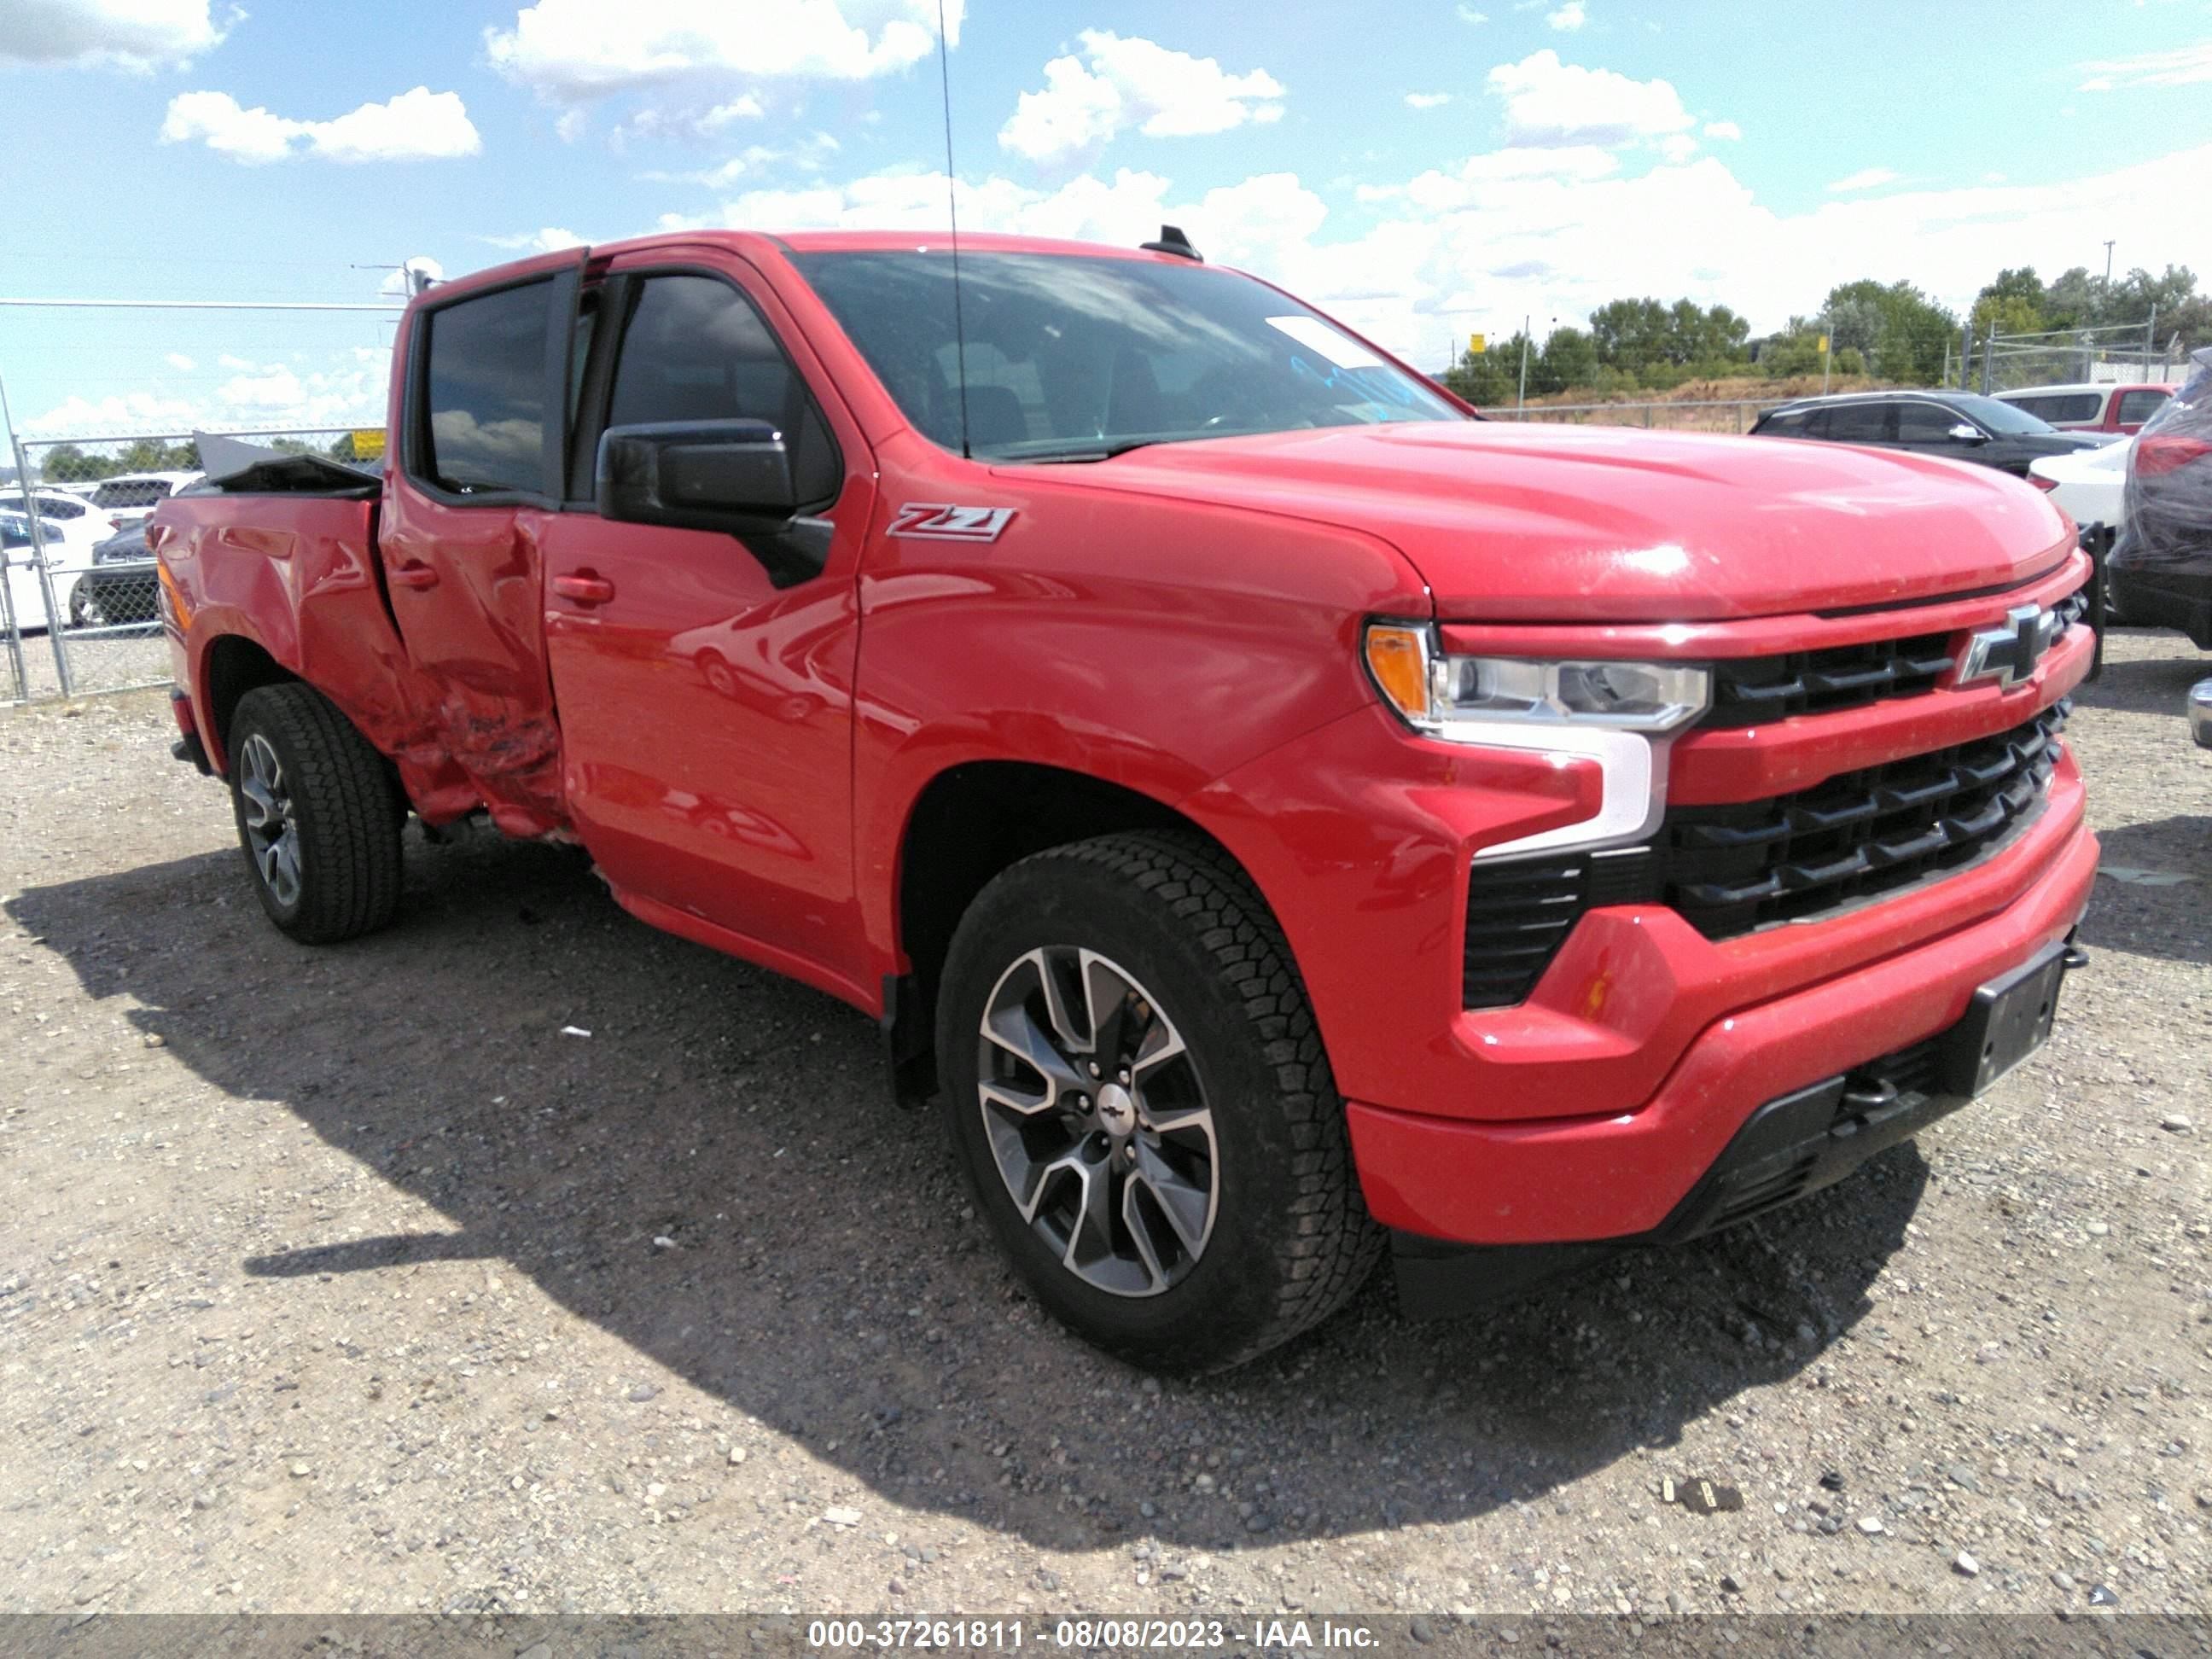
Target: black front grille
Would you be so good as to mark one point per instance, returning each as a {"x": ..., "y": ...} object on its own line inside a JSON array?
[
  {"x": 1731, "y": 870},
  {"x": 1749, "y": 689}
]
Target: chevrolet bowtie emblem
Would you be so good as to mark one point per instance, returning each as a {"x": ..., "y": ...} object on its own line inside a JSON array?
[{"x": 2009, "y": 650}]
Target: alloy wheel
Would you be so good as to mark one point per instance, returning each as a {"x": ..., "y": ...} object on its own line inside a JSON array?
[
  {"x": 1098, "y": 1121},
  {"x": 272, "y": 835}
]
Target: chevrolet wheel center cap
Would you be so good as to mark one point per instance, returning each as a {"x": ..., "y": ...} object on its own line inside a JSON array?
[{"x": 1117, "y": 1110}]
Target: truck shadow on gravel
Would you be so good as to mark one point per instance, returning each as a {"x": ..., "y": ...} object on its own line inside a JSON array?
[{"x": 823, "y": 1272}]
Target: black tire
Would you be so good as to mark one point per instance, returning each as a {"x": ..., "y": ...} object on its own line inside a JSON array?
[
  {"x": 1291, "y": 1239},
  {"x": 340, "y": 802}
]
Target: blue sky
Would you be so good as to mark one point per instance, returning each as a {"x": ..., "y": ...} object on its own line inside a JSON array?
[{"x": 1421, "y": 169}]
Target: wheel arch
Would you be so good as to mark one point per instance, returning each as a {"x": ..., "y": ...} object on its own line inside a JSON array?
[
  {"x": 232, "y": 665},
  {"x": 969, "y": 823}
]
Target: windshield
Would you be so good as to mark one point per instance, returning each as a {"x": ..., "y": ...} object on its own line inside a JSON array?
[
  {"x": 1074, "y": 358},
  {"x": 1998, "y": 417}
]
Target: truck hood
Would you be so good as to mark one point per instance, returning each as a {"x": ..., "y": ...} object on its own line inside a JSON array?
[{"x": 1541, "y": 523}]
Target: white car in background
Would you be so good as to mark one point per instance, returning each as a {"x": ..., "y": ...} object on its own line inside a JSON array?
[
  {"x": 2089, "y": 486},
  {"x": 26, "y": 593}
]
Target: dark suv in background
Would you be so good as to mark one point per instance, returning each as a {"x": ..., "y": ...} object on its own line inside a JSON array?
[
  {"x": 2161, "y": 565},
  {"x": 1960, "y": 426}
]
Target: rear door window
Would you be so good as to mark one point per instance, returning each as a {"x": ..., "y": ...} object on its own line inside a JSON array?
[
  {"x": 131, "y": 492},
  {"x": 1862, "y": 423},
  {"x": 2139, "y": 405},
  {"x": 697, "y": 350},
  {"x": 1790, "y": 424},
  {"x": 483, "y": 384},
  {"x": 1926, "y": 423}
]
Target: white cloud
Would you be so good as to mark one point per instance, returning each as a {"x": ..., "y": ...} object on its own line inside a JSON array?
[
  {"x": 1469, "y": 14},
  {"x": 1864, "y": 179},
  {"x": 579, "y": 49},
  {"x": 1427, "y": 99},
  {"x": 1569, "y": 17},
  {"x": 137, "y": 35},
  {"x": 1723, "y": 129},
  {"x": 1120, "y": 82},
  {"x": 2182, "y": 66},
  {"x": 1553, "y": 232},
  {"x": 1549, "y": 102},
  {"x": 415, "y": 126},
  {"x": 1677, "y": 147},
  {"x": 550, "y": 240},
  {"x": 177, "y": 361},
  {"x": 345, "y": 388}
]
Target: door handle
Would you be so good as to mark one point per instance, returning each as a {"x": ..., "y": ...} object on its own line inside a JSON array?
[
  {"x": 584, "y": 588},
  {"x": 414, "y": 574}
]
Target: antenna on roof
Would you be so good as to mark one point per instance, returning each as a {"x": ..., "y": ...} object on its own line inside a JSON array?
[
  {"x": 1172, "y": 240},
  {"x": 953, "y": 205}
]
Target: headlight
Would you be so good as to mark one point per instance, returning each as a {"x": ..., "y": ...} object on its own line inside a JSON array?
[
  {"x": 1453, "y": 697},
  {"x": 1621, "y": 715}
]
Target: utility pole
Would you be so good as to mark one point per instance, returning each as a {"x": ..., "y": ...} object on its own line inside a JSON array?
[
  {"x": 2150, "y": 336},
  {"x": 1521, "y": 397},
  {"x": 1827, "y": 350},
  {"x": 2108, "y": 263}
]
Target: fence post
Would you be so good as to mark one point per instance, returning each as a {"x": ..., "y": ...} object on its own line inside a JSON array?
[
  {"x": 15, "y": 634},
  {"x": 45, "y": 579}
]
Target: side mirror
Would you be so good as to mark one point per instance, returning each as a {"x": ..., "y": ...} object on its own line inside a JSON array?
[
  {"x": 732, "y": 476},
  {"x": 1967, "y": 433}
]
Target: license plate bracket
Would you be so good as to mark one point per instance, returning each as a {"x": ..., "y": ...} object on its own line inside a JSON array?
[{"x": 2007, "y": 1019}]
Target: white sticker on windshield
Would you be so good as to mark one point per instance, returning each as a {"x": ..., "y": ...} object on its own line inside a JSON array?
[{"x": 1312, "y": 333}]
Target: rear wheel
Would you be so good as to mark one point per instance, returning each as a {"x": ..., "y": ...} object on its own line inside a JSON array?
[
  {"x": 1137, "y": 1091},
  {"x": 319, "y": 816}
]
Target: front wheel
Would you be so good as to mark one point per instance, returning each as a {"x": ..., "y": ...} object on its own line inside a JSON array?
[
  {"x": 1138, "y": 1092},
  {"x": 317, "y": 815}
]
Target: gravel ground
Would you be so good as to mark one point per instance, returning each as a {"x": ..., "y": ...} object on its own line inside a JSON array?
[{"x": 344, "y": 1280}]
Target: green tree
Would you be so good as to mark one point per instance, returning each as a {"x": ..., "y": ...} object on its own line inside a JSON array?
[
  {"x": 1897, "y": 330},
  {"x": 1569, "y": 359},
  {"x": 67, "y": 463},
  {"x": 1488, "y": 378}
]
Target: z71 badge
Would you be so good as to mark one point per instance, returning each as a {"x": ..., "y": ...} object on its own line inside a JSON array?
[{"x": 942, "y": 522}]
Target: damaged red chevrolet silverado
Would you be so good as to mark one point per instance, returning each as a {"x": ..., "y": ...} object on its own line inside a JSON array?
[{"x": 1281, "y": 814}]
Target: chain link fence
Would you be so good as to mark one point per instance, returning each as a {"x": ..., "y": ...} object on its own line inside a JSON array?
[
  {"x": 1733, "y": 416},
  {"x": 82, "y": 603},
  {"x": 2100, "y": 356}
]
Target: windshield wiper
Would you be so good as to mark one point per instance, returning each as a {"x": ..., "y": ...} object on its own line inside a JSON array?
[{"x": 1102, "y": 453}]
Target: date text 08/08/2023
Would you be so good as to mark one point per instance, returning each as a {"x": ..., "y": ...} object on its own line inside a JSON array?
[{"x": 1163, "y": 1634}]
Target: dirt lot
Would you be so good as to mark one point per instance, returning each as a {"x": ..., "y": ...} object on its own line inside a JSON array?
[{"x": 345, "y": 1280}]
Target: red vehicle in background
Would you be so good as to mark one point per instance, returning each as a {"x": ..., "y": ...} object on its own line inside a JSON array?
[
  {"x": 1279, "y": 814},
  {"x": 2086, "y": 406}
]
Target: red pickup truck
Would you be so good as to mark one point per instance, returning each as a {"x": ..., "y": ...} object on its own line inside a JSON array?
[{"x": 1280, "y": 815}]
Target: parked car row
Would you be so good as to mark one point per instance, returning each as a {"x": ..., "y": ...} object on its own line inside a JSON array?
[{"x": 95, "y": 582}]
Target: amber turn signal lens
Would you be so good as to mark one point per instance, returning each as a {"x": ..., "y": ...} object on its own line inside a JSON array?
[{"x": 1399, "y": 659}]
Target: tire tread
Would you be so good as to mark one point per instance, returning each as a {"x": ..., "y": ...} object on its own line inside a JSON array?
[
  {"x": 347, "y": 807},
  {"x": 1333, "y": 1245}
]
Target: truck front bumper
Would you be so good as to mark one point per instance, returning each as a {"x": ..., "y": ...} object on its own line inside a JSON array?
[
  {"x": 1631, "y": 1176},
  {"x": 1788, "y": 1149}
]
